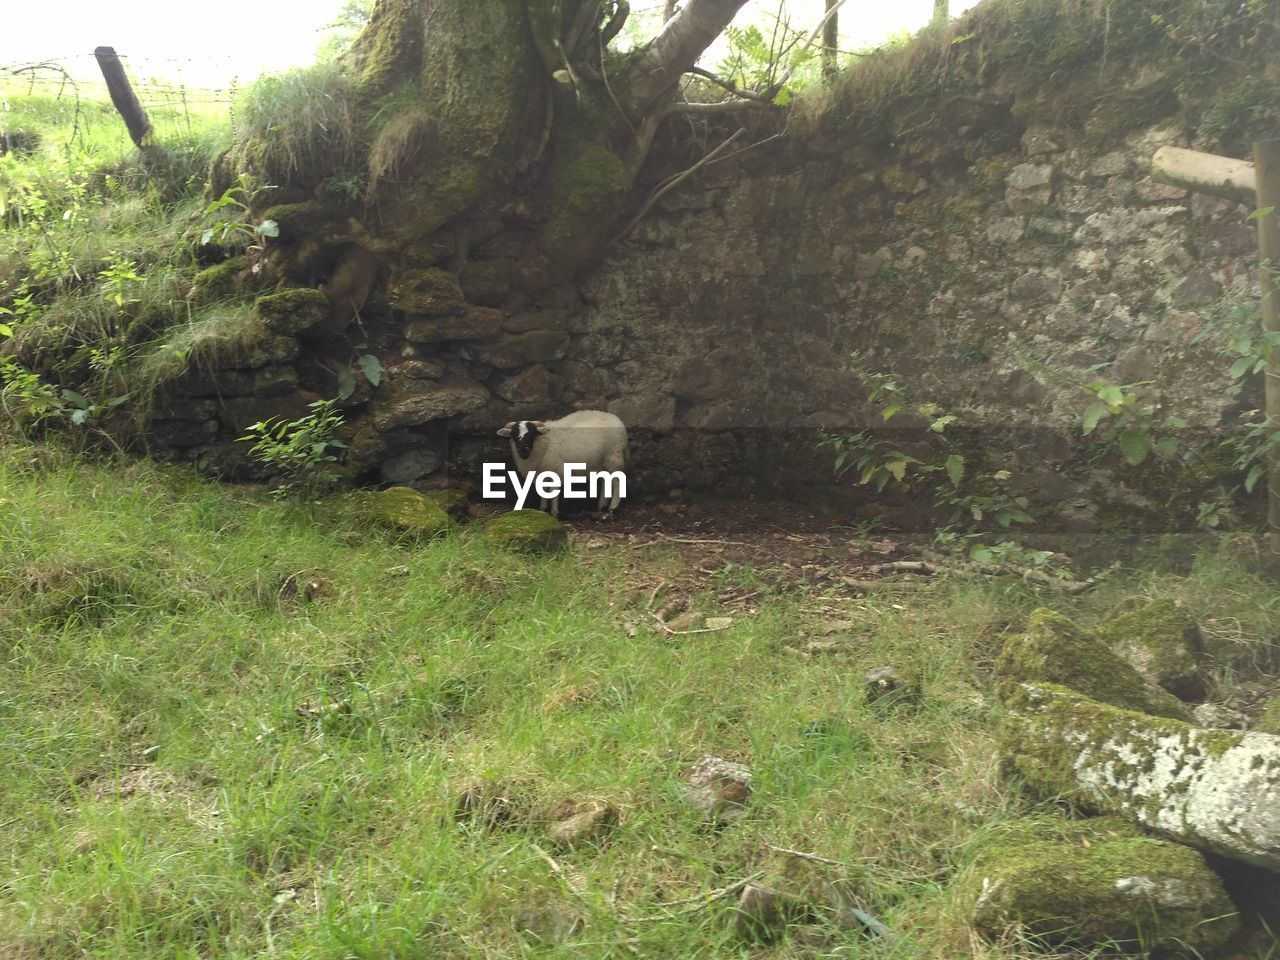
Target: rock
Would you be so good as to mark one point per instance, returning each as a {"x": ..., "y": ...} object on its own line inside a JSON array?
[
  {"x": 428, "y": 291},
  {"x": 1198, "y": 289},
  {"x": 518, "y": 349},
  {"x": 487, "y": 282},
  {"x": 888, "y": 687},
  {"x": 411, "y": 465},
  {"x": 478, "y": 323},
  {"x": 1029, "y": 186},
  {"x": 402, "y": 509},
  {"x": 1269, "y": 722},
  {"x": 1216, "y": 790},
  {"x": 418, "y": 369},
  {"x": 452, "y": 501},
  {"x": 292, "y": 311},
  {"x": 527, "y": 386},
  {"x": 1163, "y": 643},
  {"x": 549, "y": 925},
  {"x": 1218, "y": 715},
  {"x": 1110, "y": 887},
  {"x": 1054, "y": 650},
  {"x": 531, "y": 531},
  {"x": 719, "y": 788},
  {"x": 415, "y": 402},
  {"x": 582, "y": 822},
  {"x": 762, "y": 913}
]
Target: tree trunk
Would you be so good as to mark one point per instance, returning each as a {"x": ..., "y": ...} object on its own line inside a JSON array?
[
  {"x": 941, "y": 11},
  {"x": 830, "y": 41},
  {"x": 479, "y": 122}
]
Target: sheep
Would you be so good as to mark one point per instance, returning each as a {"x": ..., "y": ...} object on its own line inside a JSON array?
[{"x": 591, "y": 437}]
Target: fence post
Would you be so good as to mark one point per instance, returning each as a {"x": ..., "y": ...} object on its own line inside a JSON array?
[{"x": 122, "y": 95}]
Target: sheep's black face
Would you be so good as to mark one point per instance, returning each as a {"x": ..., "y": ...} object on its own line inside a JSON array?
[{"x": 526, "y": 431}]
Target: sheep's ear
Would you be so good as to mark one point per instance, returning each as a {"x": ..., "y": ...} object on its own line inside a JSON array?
[
  {"x": 539, "y": 426},
  {"x": 506, "y": 431}
]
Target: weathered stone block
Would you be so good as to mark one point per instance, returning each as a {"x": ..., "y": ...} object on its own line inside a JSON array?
[
  {"x": 428, "y": 291},
  {"x": 414, "y": 402},
  {"x": 1163, "y": 643},
  {"x": 293, "y": 311},
  {"x": 478, "y": 323},
  {"x": 519, "y": 349}
]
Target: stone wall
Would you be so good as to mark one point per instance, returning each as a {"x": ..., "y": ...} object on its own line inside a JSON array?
[{"x": 994, "y": 241}]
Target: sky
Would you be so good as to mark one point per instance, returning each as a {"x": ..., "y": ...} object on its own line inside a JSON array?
[{"x": 207, "y": 45}]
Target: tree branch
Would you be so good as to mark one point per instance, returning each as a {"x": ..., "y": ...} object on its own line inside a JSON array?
[
  {"x": 720, "y": 106},
  {"x": 673, "y": 51},
  {"x": 614, "y": 26},
  {"x": 781, "y": 82},
  {"x": 732, "y": 88}
]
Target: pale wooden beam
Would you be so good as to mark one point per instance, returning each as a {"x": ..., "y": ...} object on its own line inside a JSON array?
[{"x": 1205, "y": 173}]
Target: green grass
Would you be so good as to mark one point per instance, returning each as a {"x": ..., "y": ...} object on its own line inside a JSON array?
[{"x": 235, "y": 727}]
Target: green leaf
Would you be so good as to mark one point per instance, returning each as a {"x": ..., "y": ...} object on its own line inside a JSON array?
[
  {"x": 1252, "y": 477},
  {"x": 6, "y": 330},
  {"x": 267, "y": 228},
  {"x": 890, "y": 410},
  {"x": 942, "y": 423},
  {"x": 1135, "y": 446},
  {"x": 78, "y": 416},
  {"x": 206, "y": 237},
  {"x": 75, "y": 398},
  {"x": 1111, "y": 395},
  {"x": 1262, "y": 212},
  {"x": 982, "y": 554},
  {"x": 955, "y": 469},
  {"x": 898, "y": 468},
  {"x": 1167, "y": 446},
  {"x": 1094, "y": 413},
  {"x": 371, "y": 367},
  {"x": 1240, "y": 368},
  {"x": 346, "y": 383}
]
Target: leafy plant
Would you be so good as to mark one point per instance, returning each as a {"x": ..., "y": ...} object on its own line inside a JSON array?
[
  {"x": 302, "y": 449},
  {"x": 239, "y": 228},
  {"x": 1137, "y": 425},
  {"x": 971, "y": 497}
]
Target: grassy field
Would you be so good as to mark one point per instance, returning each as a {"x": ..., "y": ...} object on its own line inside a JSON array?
[{"x": 239, "y": 727}]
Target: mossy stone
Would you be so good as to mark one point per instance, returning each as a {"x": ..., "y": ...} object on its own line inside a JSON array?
[
  {"x": 405, "y": 510},
  {"x": 1109, "y": 886},
  {"x": 1054, "y": 650},
  {"x": 531, "y": 531},
  {"x": 294, "y": 310},
  {"x": 1269, "y": 722},
  {"x": 1163, "y": 643},
  {"x": 428, "y": 291},
  {"x": 220, "y": 281},
  {"x": 451, "y": 501}
]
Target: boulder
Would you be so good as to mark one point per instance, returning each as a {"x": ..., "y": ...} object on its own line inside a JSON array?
[
  {"x": 1110, "y": 887},
  {"x": 478, "y": 323},
  {"x": 451, "y": 500},
  {"x": 402, "y": 509},
  {"x": 1054, "y": 650},
  {"x": 1163, "y": 644},
  {"x": 530, "y": 531},
  {"x": 888, "y": 687},
  {"x": 579, "y": 822},
  {"x": 1216, "y": 790}
]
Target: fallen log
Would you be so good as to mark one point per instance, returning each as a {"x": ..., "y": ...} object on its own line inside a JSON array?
[
  {"x": 1217, "y": 790},
  {"x": 1217, "y": 176}
]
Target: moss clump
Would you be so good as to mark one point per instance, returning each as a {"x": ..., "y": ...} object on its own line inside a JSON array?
[
  {"x": 1110, "y": 886},
  {"x": 294, "y": 310},
  {"x": 531, "y": 531},
  {"x": 220, "y": 281},
  {"x": 404, "y": 510},
  {"x": 427, "y": 291},
  {"x": 1269, "y": 722},
  {"x": 1054, "y": 650},
  {"x": 1163, "y": 643},
  {"x": 451, "y": 501},
  {"x": 585, "y": 198}
]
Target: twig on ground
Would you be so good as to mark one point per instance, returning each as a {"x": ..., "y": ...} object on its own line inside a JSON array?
[
  {"x": 804, "y": 856},
  {"x": 698, "y": 902}
]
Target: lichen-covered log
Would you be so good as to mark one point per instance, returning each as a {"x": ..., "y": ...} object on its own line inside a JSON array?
[{"x": 1218, "y": 790}]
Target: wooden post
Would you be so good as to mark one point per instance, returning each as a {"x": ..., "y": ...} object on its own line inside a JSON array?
[
  {"x": 122, "y": 95},
  {"x": 1266, "y": 164},
  {"x": 830, "y": 42},
  {"x": 1257, "y": 184}
]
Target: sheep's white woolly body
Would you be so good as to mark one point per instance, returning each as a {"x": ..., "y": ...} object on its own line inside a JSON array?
[{"x": 591, "y": 437}]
